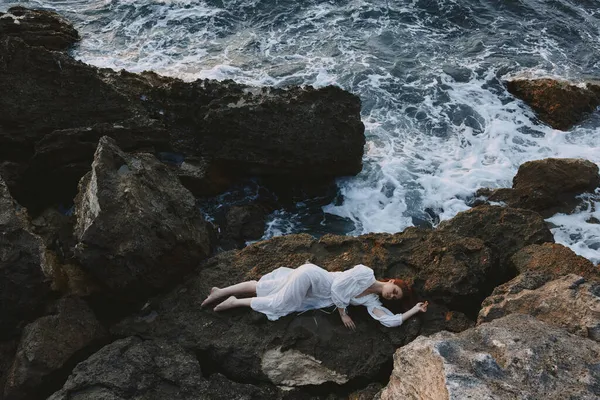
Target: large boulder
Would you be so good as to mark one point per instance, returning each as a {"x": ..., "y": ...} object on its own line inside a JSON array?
[
  {"x": 51, "y": 344},
  {"x": 38, "y": 28},
  {"x": 560, "y": 104},
  {"x": 553, "y": 260},
  {"x": 137, "y": 227},
  {"x": 24, "y": 285},
  {"x": 504, "y": 229},
  {"x": 134, "y": 369},
  {"x": 315, "y": 347},
  {"x": 568, "y": 302},
  {"x": 50, "y": 100},
  {"x": 515, "y": 357},
  {"x": 548, "y": 186}
]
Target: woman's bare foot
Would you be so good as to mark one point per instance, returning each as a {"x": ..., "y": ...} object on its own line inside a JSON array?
[
  {"x": 227, "y": 304},
  {"x": 214, "y": 295}
]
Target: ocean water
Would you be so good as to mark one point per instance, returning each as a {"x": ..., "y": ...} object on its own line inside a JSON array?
[{"x": 439, "y": 121}]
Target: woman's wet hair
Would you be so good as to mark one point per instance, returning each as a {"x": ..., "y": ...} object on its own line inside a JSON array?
[{"x": 406, "y": 302}]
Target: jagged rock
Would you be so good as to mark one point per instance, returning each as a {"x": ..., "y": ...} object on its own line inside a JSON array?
[
  {"x": 505, "y": 230},
  {"x": 560, "y": 104},
  {"x": 137, "y": 227},
  {"x": 50, "y": 344},
  {"x": 515, "y": 357},
  {"x": 244, "y": 345},
  {"x": 367, "y": 393},
  {"x": 568, "y": 302},
  {"x": 7, "y": 353},
  {"x": 548, "y": 186},
  {"x": 24, "y": 286},
  {"x": 38, "y": 28},
  {"x": 237, "y": 130},
  {"x": 554, "y": 260},
  {"x": 132, "y": 368},
  {"x": 243, "y": 223}
]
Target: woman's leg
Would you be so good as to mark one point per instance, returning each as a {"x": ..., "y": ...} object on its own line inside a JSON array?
[
  {"x": 233, "y": 302},
  {"x": 244, "y": 288}
]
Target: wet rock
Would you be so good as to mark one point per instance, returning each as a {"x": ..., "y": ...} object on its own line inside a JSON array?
[
  {"x": 505, "y": 230},
  {"x": 50, "y": 344},
  {"x": 512, "y": 357},
  {"x": 132, "y": 368},
  {"x": 549, "y": 186},
  {"x": 24, "y": 286},
  {"x": 367, "y": 393},
  {"x": 137, "y": 227},
  {"x": 560, "y": 104},
  {"x": 244, "y": 346},
  {"x": 38, "y": 28},
  {"x": 554, "y": 260},
  {"x": 201, "y": 177},
  {"x": 568, "y": 302}
]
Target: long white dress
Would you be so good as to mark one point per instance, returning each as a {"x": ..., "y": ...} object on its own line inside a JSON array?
[{"x": 287, "y": 290}]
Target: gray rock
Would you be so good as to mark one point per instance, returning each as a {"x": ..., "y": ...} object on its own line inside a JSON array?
[
  {"x": 24, "y": 285},
  {"x": 49, "y": 343},
  {"x": 135, "y": 369},
  {"x": 568, "y": 302},
  {"x": 137, "y": 227},
  {"x": 515, "y": 357}
]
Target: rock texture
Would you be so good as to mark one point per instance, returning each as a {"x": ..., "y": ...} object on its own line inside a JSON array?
[
  {"x": 134, "y": 369},
  {"x": 38, "y": 28},
  {"x": 137, "y": 226},
  {"x": 55, "y": 109},
  {"x": 553, "y": 260},
  {"x": 24, "y": 288},
  {"x": 569, "y": 302},
  {"x": 548, "y": 186},
  {"x": 242, "y": 343},
  {"x": 515, "y": 357},
  {"x": 560, "y": 104},
  {"x": 505, "y": 230},
  {"x": 50, "y": 344}
]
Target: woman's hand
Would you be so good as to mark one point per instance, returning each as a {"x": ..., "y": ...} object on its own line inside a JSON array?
[
  {"x": 348, "y": 322},
  {"x": 422, "y": 306}
]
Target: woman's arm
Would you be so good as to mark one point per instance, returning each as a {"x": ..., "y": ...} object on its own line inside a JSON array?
[
  {"x": 390, "y": 320},
  {"x": 346, "y": 319}
]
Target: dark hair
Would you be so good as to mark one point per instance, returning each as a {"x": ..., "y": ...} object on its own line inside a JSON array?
[{"x": 408, "y": 297}]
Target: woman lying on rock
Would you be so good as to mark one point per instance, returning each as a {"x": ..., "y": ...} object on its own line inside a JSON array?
[{"x": 309, "y": 286}]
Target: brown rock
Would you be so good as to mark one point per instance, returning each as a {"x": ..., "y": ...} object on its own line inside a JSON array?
[
  {"x": 51, "y": 343},
  {"x": 549, "y": 186},
  {"x": 558, "y": 103},
  {"x": 38, "y": 28},
  {"x": 515, "y": 357},
  {"x": 505, "y": 230},
  {"x": 554, "y": 260},
  {"x": 246, "y": 347}
]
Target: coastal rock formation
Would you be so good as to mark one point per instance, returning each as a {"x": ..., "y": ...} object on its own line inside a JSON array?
[
  {"x": 242, "y": 344},
  {"x": 568, "y": 302},
  {"x": 50, "y": 100},
  {"x": 512, "y": 357},
  {"x": 560, "y": 104},
  {"x": 24, "y": 286},
  {"x": 548, "y": 186},
  {"x": 554, "y": 260},
  {"x": 244, "y": 223},
  {"x": 49, "y": 344},
  {"x": 137, "y": 226},
  {"x": 132, "y": 368},
  {"x": 38, "y": 28},
  {"x": 504, "y": 229}
]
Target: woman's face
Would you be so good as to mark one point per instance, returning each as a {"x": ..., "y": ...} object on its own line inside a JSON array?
[{"x": 391, "y": 291}]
